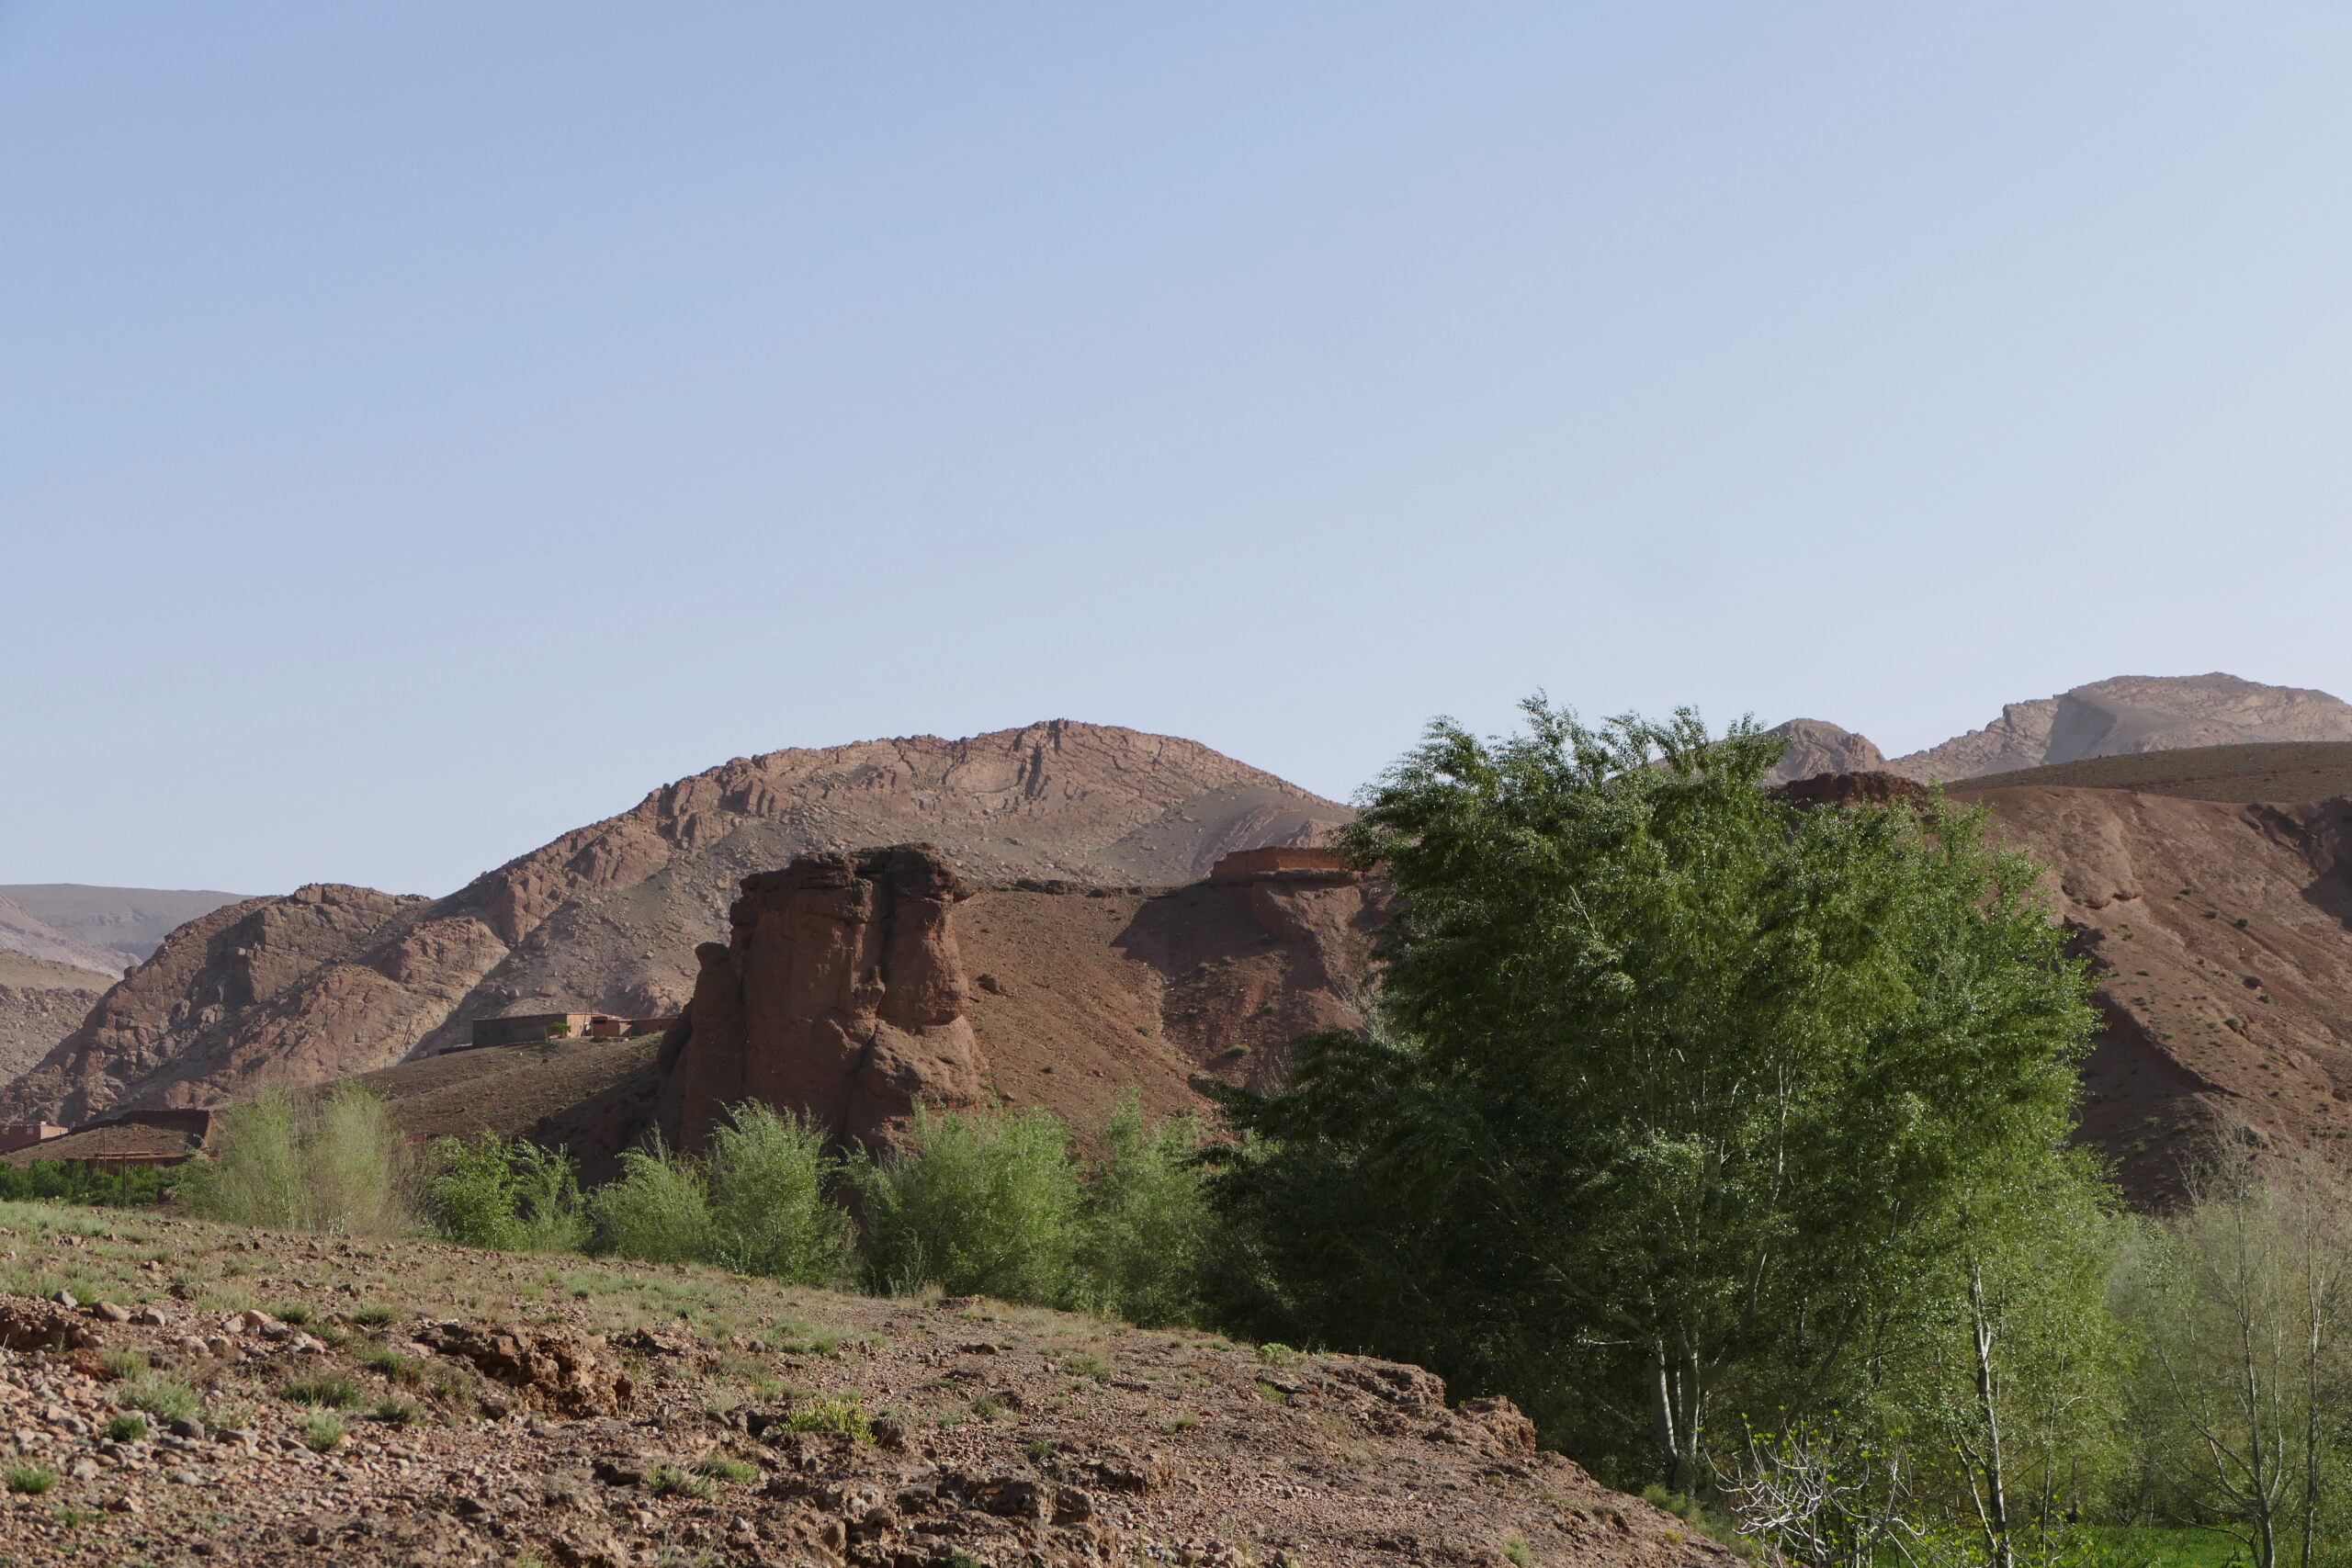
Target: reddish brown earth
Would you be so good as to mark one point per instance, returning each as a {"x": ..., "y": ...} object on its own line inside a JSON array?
[
  {"x": 2221, "y": 935},
  {"x": 546, "y": 1401},
  {"x": 333, "y": 981}
]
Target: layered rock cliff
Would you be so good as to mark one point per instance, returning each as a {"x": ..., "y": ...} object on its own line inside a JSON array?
[{"x": 607, "y": 917}]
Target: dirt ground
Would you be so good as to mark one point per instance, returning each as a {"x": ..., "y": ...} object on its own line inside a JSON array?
[{"x": 310, "y": 1400}]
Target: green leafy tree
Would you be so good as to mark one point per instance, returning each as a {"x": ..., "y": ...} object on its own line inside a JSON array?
[
  {"x": 1145, "y": 1221},
  {"x": 508, "y": 1194},
  {"x": 978, "y": 1203},
  {"x": 770, "y": 1210},
  {"x": 1683, "y": 1097}
]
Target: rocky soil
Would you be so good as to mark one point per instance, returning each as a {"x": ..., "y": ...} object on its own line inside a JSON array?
[{"x": 312, "y": 1400}]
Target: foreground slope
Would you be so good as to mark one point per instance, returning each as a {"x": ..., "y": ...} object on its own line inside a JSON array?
[
  {"x": 556, "y": 1395},
  {"x": 333, "y": 981}
]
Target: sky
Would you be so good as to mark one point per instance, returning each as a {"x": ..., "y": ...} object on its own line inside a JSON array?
[{"x": 425, "y": 428}]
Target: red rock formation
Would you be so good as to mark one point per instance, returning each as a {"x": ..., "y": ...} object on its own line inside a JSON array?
[
  {"x": 839, "y": 994},
  {"x": 1816, "y": 747},
  {"x": 1852, "y": 789}
]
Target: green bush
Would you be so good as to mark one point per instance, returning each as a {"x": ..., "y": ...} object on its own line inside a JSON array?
[
  {"x": 322, "y": 1433},
  {"x": 33, "y": 1480},
  {"x": 127, "y": 1428},
  {"x": 165, "y": 1399},
  {"x": 757, "y": 1204},
  {"x": 1146, "y": 1220},
  {"x": 769, "y": 1210},
  {"x": 979, "y": 1205},
  {"x": 508, "y": 1194},
  {"x": 284, "y": 1163},
  {"x": 657, "y": 1211}
]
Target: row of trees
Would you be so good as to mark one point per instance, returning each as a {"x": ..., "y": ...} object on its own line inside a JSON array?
[{"x": 1729, "y": 1138}]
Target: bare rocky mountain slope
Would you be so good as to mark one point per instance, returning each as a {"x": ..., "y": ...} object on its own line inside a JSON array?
[
  {"x": 331, "y": 981},
  {"x": 2219, "y": 934},
  {"x": 40, "y": 1001},
  {"x": 128, "y": 922},
  {"x": 1817, "y": 747},
  {"x": 2127, "y": 715},
  {"x": 27, "y": 934}
]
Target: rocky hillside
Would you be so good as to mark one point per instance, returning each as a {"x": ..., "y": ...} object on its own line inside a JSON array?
[
  {"x": 23, "y": 933},
  {"x": 40, "y": 1003},
  {"x": 333, "y": 981},
  {"x": 2220, "y": 934},
  {"x": 1817, "y": 747},
  {"x": 2126, "y": 715},
  {"x": 2133, "y": 713},
  {"x": 127, "y": 922},
  {"x": 645, "y": 1414}
]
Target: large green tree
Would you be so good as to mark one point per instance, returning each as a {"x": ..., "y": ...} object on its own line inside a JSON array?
[{"x": 1683, "y": 1098}]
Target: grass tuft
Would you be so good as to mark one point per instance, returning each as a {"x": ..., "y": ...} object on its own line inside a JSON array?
[
  {"x": 727, "y": 1467},
  {"x": 335, "y": 1394},
  {"x": 33, "y": 1480},
  {"x": 322, "y": 1433},
  {"x": 166, "y": 1399}
]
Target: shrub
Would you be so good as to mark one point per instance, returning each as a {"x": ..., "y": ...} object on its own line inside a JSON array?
[
  {"x": 322, "y": 1432},
  {"x": 726, "y": 1467},
  {"x": 123, "y": 1364},
  {"x": 1146, "y": 1218},
  {"x": 374, "y": 1316},
  {"x": 985, "y": 1203},
  {"x": 667, "y": 1481},
  {"x": 166, "y": 1399},
  {"x": 508, "y": 1194},
  {"x": 398, "y": 1412},
  {"x": 127, "y": 1428},
  {"x": 657, "y": 1211},
  {"x": 33, "y": 1480},
  {"x": 391, "y": 1364},
  {"x": 288, "y": 1164},
  {"x": 335, "y": 1393},
  {"x": 829, "y": 1416},
  {"x": 769, "y": 1211},
  {"x": 294, "y": 1313}
]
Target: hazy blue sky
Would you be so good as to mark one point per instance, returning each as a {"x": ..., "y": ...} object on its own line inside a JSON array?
[{"x": 426, "y": 427}]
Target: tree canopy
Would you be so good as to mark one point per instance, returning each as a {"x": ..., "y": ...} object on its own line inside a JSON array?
[{"x": 1682, "y": 1097}]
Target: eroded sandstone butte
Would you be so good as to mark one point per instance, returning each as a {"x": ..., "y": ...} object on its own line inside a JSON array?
[
  {"x": 608, "y": 917},
  {"x": 855, "y": 985},
  {"x": 839, "y": 994}
]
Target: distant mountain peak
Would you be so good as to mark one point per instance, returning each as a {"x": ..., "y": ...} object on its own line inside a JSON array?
[{"x": 2134, "y": 713}]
